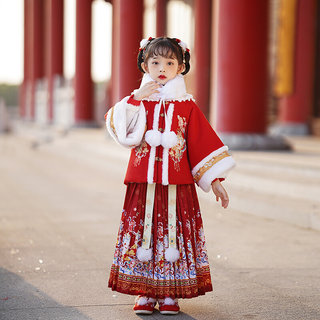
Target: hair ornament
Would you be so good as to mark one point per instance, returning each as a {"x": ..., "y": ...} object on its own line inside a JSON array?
[
  {"x": 182, "y": 45},
  {"x": 144, "y": 43}
]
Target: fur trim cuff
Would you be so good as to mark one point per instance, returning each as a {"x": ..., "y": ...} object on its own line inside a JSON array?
[
  {"x": 218, "y": 170},
  {"x": 126, "y": 123},
  {"x": 207, "y": 158}
]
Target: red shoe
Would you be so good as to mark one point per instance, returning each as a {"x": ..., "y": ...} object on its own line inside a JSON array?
[
  {"x": 168, "y": 306},
  {"x": 144, "y": 305}
]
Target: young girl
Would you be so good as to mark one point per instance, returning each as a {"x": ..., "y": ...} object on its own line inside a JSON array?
[{"x": 160, "y": 253}]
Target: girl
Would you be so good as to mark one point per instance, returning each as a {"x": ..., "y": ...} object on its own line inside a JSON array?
[{"x": 160, "y": 252}]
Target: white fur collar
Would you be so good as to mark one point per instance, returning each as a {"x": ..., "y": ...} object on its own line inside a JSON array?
[{"x": 173, "y": 90}]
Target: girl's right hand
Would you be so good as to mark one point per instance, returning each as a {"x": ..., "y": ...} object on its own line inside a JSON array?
[
  {"x": 220, "y": 193},
  {"x": 147, "y": 90}
]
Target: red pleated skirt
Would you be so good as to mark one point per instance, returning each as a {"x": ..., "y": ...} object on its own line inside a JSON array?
[{"x": 186, "y": 278}]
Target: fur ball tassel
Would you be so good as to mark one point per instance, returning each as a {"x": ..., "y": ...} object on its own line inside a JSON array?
[
  {"x": 153, "y": 138},
  {"x": 172, "y": 254},
  {"x": 169, "y": 302},
  {"x": 144, "y": 255},
  {"x": 141, "y": 301},
  {"x": 169, "y": 139}
]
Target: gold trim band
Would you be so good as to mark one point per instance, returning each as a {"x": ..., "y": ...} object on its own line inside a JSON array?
[
  {"x": 112, "y": 123},
  {"x": 197, "y": 177}
]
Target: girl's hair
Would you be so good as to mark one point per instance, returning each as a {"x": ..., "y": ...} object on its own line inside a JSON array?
[{"x": 165, "y": 47}]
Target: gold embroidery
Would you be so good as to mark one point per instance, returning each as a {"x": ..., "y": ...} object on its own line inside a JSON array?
[
  {"x": 177, "y": 151},
  {"x": 141, "y": 151},
  {"x": 112, "y": 123},
  {"x": 208, "y": 165}
]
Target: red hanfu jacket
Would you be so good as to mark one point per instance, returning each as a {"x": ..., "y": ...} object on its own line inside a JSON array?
[{"x": 171, "y": 140}]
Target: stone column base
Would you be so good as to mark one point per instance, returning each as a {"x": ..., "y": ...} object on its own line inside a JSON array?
[
  {"x": 290, "y": 129},
  {"x": 86, "y": 124},
  {"x": 254, "y": 142}
]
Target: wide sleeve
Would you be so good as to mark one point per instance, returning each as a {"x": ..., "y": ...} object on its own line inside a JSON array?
[
  {"x": 126, "y": 122},
  {"x": 208, "y": 156}
]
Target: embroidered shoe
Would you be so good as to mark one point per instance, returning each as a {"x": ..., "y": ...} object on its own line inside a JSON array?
[
  {"x": 168, "y": 306},
  {"x": 144, "y": 305}
]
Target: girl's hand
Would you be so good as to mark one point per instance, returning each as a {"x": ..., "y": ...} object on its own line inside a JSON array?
[
  {"x": 147, "y": 90},
  {"x": 220, "y": 192}
]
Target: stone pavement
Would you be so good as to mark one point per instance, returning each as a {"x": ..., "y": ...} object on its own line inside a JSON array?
[{"x": 60, "y": 204}]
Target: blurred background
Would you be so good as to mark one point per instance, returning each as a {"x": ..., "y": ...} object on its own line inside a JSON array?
[{"x": 254, "y": 64}]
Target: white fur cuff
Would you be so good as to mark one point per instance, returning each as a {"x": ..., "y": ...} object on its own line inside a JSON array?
[
  {"x": 126, "y": 123},
  {"x": 207, "y": 158},
  {"x": 218, "y": 170}
]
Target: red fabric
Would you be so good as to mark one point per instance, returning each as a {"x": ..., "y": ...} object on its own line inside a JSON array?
[
  {"x": 189, "y": 276},
  {"x": 168, "y": 307},
  {"x": 133, "y": 101},
  {"x": 201, "y": 138},
  {"x": 196, "y": 140},
  {"x": 149, "y": 306}
]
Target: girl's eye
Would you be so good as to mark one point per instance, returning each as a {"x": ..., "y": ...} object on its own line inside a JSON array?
[{"x": 154, "y": 62}]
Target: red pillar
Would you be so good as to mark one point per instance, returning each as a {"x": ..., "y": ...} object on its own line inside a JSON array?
[
  {"x": 295, "y": 110},
  {"x": 54, "y": 56},
  {"x": 202, "y": 44},
  {"x": 161, "y": 18},
  {"x": 36, "y": 48},
  {"x": 26, "y": 59},
  {"x": 240, "y": 67},
  {"x": 127, "y": 34},
  {"x": 83, "y": 82}
]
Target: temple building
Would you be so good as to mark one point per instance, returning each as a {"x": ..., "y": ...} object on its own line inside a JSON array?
[{"x": 254, "y": 64}]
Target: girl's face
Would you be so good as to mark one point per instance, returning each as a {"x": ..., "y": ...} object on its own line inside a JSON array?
[{"x": 162, "y": 69}]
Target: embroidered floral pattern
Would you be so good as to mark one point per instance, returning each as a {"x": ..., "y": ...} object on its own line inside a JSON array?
[
  {"x": 141, "y": 151},
  {"x": 189, "y": 276},
  {"x": 177, "y": 151}
]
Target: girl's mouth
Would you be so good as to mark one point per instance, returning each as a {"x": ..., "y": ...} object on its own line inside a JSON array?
[{"x": 162, "y": 77}]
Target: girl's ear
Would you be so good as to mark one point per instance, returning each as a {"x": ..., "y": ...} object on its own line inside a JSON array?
[
  {"x": 144, "y": 66},
  {"x": 181, "y": 68}
]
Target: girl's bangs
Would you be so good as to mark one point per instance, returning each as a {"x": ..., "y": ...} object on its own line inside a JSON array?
[{"x": 163, "y": 51}]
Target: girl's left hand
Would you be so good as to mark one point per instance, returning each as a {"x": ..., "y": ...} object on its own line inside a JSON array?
[{"x": 220, "y": 192}]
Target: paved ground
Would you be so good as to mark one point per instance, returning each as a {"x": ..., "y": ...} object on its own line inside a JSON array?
[{"x": 60, "y": 204}]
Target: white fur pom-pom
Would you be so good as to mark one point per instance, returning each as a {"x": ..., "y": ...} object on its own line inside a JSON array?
[
  {"x": 153, "y": 138},
  {"x": 141, "y": 301},
  {"x": 169, "y": 302},
  {"x": 169, "y": 139},
  {"x": 183, "y": 45},
  {"x": 144, "y": 255},
  {"x": 172, "y": 254},
  {"x": 152, "y": 300},
  {"x": 143, "y": 43}
]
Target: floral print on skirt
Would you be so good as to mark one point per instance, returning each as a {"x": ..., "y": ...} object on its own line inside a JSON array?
[{"x": 186, "y": 278}]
